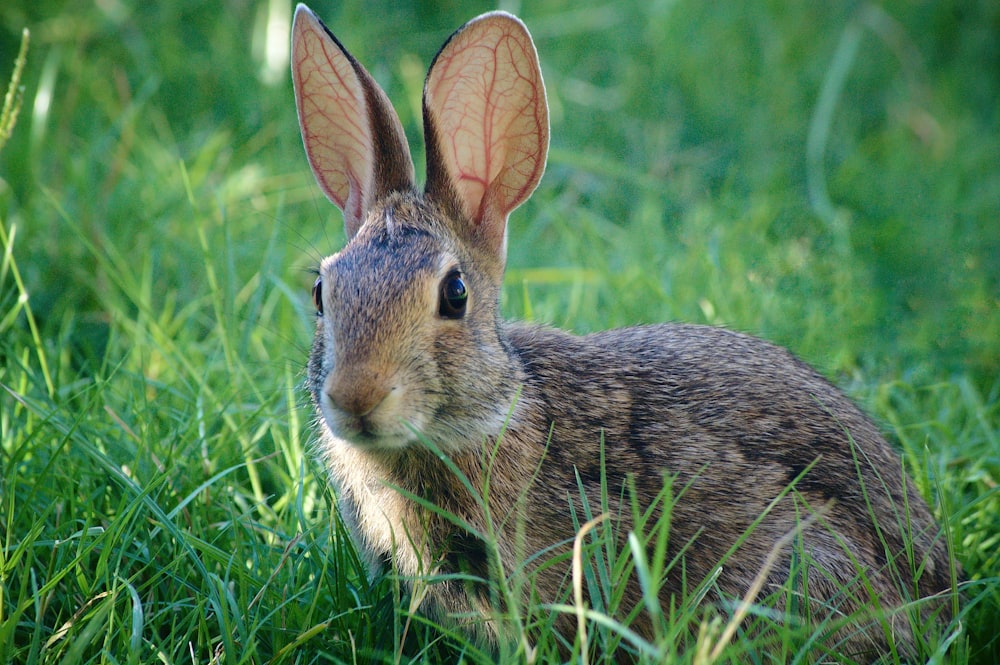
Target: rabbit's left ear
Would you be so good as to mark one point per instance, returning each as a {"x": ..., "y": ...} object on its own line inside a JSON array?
[
  {"x": 486, "y": 123},
  {"x": 355, "y": 143}
]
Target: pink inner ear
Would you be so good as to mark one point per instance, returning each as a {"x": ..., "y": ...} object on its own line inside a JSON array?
[
  {"x": 486, "y": 96},
  {"x": 332, "y": 116}
]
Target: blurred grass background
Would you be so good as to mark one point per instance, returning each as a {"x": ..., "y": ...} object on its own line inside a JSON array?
[{"x": 826, "y": 175}]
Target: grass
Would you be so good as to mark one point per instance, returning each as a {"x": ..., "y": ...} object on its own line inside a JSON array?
[{"x": 825, "y": 177}]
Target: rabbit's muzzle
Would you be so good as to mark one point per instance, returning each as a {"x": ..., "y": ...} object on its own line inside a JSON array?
[{"x": 363, "y": 407}]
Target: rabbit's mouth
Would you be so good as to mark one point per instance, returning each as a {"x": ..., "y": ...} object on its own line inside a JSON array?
[
  {"x": 368, "y": 431},
  {"x": 361, "y": 431}
]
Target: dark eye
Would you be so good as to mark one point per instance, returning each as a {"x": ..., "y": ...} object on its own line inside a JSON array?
[
  {"x": 454, "y": 296},
  {"x": 318, "y": 296}
]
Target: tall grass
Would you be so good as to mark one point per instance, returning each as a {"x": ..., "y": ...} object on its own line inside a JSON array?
[{"x": 824, "y": 176}]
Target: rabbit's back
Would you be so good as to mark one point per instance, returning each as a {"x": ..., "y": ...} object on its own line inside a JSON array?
[{"x": 736, "y": 422}]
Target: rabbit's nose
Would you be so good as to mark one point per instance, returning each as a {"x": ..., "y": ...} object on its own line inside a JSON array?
[{"x": 357, "y": 392}]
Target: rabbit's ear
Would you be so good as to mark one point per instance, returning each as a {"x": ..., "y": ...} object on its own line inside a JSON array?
[
  {"x": 355, "y": 143},
  {"x": 486, "y": 124}
]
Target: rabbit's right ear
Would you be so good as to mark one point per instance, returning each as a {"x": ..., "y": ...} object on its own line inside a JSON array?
[{"x": 353, "y": 138}]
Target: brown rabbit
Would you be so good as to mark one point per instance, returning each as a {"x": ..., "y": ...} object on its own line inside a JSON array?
[{"x": 415, "y": 375}]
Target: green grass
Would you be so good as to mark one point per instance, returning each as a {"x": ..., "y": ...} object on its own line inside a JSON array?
[{"x": 158, "y": 502}]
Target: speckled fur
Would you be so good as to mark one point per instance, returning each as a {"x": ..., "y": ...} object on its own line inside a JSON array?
[{"x": 733, "y": 419}]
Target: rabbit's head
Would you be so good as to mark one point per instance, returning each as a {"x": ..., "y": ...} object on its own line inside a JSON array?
[{"x": 408, "y": 337}]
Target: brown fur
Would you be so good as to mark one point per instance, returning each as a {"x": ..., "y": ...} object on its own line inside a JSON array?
[{"x": 531, "y": 412}]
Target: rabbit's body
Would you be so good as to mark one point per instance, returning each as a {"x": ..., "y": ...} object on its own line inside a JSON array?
[
  {"x": 410, "y": 349},
  {"x": 639, "y": 402}
]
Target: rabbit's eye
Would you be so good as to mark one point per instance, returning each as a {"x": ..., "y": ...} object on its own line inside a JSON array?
[
  {"x": 318, "y": 296},
  {"x": 454, "y": 295}
]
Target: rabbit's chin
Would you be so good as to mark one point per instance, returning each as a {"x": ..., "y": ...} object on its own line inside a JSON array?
[{"x": 366, "y": 441}]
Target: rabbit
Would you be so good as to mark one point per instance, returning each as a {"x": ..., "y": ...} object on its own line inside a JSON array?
[{"x": 418, "y": 381}]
